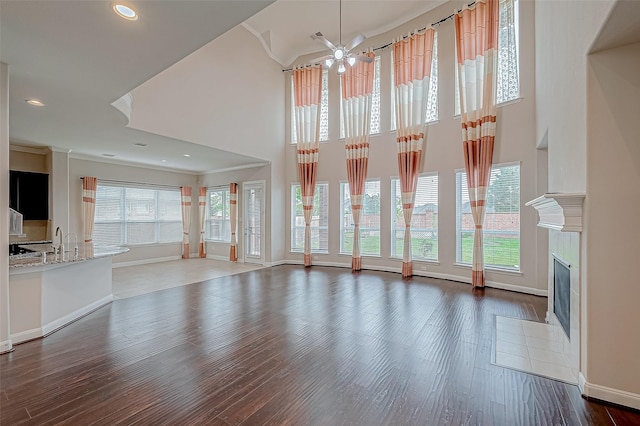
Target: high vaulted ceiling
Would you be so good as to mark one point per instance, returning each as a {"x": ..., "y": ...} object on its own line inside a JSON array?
[{"x": 78, "y": 57}]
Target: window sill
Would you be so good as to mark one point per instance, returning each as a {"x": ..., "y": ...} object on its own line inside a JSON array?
[
  {"x": 152, "y": 244},
  {"x": 431, "y": 262},
  {"x": 371, "y": 256},
  {"x": 313, "y": 253},
  {"x": 505, "y": 103},
  {"x": 217, "y": 241},
  {"x": 492, "y": 269}
]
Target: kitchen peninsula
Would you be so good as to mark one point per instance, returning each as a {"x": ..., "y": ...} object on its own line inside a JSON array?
[{"x": 47, "y": 291}]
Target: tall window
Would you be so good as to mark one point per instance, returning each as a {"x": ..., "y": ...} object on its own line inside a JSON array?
[
  {"x": 432, "y": 103},
  {"x": 369, "y": 219},
  {"x": 424, "y": 222},
  {"x": 218, "y": 223},
  {"x": 508, "y": 74},
  {"x": 374, "y": 126},
  {"x": 319, "y": 219},
  {"x": 324, "y": 110},
  {"x": 130, "y": 215},
  {"x": 501, "y": 222}
]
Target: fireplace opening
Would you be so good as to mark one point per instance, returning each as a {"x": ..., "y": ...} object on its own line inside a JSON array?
[{"x": 562, "y": 293}]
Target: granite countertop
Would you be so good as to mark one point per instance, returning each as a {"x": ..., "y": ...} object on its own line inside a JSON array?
[{"x": 86, "y": 251}]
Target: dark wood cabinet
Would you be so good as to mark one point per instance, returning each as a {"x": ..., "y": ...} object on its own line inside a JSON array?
[{"x": 29, "y": 194}]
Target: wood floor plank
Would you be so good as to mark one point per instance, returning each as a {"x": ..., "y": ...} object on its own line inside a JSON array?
[{"x": 291, "y": 346}]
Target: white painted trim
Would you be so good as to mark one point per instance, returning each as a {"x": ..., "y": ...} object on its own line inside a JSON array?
[
  {"x": 427, "y": 274},
  {"x": 62, "y": 150},
  {"x": 5, "y": 346},
  {"x": 100, "y": 159},
  {"x": 240, "y": 167},
  {"x": 616, "y": 396},
  {"x": 124, "y": 104},
  {"x": 145, "y": 261},
  {"x": 24, "y": 336},
  {"x": 581, "y": 381},
  {"x": 75, "y": 315},
  {"x": 29, "y": 149},
  {"x": 276, "y": 263},
  {"x": 263, "y": 42},
  {"x": 560, "y": 211}
]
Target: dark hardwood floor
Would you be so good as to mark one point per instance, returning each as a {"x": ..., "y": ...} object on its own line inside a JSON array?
[{"x": 289, "y": 345}]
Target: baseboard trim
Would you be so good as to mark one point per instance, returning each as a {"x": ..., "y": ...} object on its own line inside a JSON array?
[
  {"x": 606, "y": 394},
  {"x": 427, "y": 274},
  {"x": 276, "y": 263},
  {"x": 145, "y": 261},
  {"x": 75, "y": 315},
  {"x": 5, "y": 347},
  {"x": 25, "y": 336}
]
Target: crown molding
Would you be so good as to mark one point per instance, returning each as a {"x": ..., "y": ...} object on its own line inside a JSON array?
[
  {"x": 559, "y": 211},
  {"x": 29, "y": 149},
  {"x": 240, "y": 167},
  {"x": 86, "y": 157}
]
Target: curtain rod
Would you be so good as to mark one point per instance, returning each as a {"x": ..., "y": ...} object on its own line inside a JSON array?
[
  {"x": 151, "y": 185},
  {"x": 421, "y": 29}
]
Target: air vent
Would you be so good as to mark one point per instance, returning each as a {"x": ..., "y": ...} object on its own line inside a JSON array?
[
  {"x": 140, "y": 144},
  {"x": 109, "y": 155}
]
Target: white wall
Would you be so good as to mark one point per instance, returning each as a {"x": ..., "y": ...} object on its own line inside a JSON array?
[
  {"x": 227, "y": 95},
  {"x": 5, "y": 343},
  {"x": 79, "y": 168},
  {"x": 564, "y": 32},
  {"x": 515, "y": 142},
  {"x": 612, "y": 208}
]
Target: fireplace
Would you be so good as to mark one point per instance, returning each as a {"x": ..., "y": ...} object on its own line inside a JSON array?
[{"x": 562, "y": 293}]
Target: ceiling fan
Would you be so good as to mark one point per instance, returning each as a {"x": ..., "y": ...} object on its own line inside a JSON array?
[{"x": 340, "y": 53}]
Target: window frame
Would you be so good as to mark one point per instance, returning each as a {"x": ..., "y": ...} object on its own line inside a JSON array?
[
  {"x": 458, "y": 247},
  {"x": 124, "y": 221},
  {"x": 292, "y": 225},
  {"x": 342, "y": 216},
  {"x": 394, "y": 228},
  {"x": 225, "y": 202}
]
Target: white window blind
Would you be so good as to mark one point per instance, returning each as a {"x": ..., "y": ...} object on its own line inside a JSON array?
[
  {"x": 319, "y": 220},
  {"x": 501, "y": 223},
  {"x": 432, "y": 103},
  {"x": 508, "y": 84},
  {"x": 424, "y": 222},
  {"x": 132, "y": 215},
  {"x": 218, "y": 223},
  {"x": 374, "y": 126},
  {"x": 369, "y": 219},
  {"x": 324, "y": 110}
]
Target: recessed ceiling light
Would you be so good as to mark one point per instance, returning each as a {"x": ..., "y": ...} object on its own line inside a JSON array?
[
  {"x": 187, "y": 155},
  {"x": 34, "y": 102},
  {"x": 109, "y": 155},
  {"x": 125, "y": 12},
  {"x": 164, "y": 161}
]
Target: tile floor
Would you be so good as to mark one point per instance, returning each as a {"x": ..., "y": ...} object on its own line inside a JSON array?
[
  {"x": 532, "y": 347},
  {"x": 135, "y": 280}
]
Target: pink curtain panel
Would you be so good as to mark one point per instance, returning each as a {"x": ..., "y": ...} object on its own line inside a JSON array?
[
  {"x": 185, "y": 195},
  {"x": 89, "y": 187},
  {"x": 202, "y": 210},
  {"x": 233, "y": 216}
]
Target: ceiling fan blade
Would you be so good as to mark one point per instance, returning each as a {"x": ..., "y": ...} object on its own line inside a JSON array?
[
  {"x": 356, "y": 41},
  {"x": 320, "y": 59},
  {"x": 364, "y": 58},
  {"x": 318, "y": 36}
]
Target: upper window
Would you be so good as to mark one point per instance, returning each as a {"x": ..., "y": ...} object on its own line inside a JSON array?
[
  {"x": 374, "y": 126},
  {"x": 218, "y": 223},
  {"x": 319, "y": 219},
  {"x": 432, "y": 103},
  {"x": 324, "y": 110},
  {"x": 501, "y": 230},
  {"x": 508, "y": 74},
  {"x": 424, "y": 221},
  {"x": 130, "y": 216},
  {"x": 369, "y": 219}
]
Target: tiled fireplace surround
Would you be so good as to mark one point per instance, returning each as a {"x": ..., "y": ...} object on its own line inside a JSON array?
[{"x": 562, "y": 215}]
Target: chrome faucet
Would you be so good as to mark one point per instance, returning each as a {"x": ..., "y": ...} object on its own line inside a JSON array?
[
  {"x": 75, "y": 242},
  {"x": 60, "y": 243}
]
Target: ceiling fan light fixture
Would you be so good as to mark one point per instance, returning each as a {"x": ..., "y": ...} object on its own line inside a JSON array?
[
  {"x": 341, "y": 67},
  {"x": 338, "y": 54},
  {"x": 351, "y": 60},
  {"x": 328, "y": 62}
]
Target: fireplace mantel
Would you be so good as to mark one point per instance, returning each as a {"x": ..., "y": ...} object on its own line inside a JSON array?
[{"x": 560, "y": 211}]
